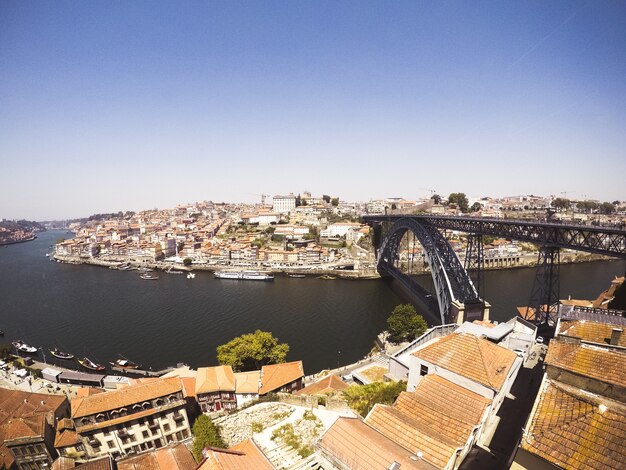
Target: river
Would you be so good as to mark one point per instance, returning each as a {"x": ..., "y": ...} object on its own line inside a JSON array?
[{"x": 102, "y": 313}]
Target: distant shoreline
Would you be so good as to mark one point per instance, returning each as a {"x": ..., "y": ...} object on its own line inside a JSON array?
[{"x": 13, "y": 242}]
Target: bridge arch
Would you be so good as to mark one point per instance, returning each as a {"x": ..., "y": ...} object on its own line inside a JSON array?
[{"x": 451, "y": 281}]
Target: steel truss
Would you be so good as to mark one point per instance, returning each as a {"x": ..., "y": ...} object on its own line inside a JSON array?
[
  {"x": 451, "y": 281},
  {"x": 600, "y": 240},
  {"x": 545, "y": 295}
]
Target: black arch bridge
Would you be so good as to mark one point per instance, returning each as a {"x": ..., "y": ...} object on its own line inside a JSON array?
[{"x": 453, "y": 285}]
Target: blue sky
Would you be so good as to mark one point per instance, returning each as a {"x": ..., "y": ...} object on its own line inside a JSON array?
[{"x": 108, "y": 106}]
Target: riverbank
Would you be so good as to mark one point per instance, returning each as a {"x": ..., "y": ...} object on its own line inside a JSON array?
[
  {"x": 527, "y": 261},
  {"x": 13, "y": 242},
  {"x": 312, "y": 271}
]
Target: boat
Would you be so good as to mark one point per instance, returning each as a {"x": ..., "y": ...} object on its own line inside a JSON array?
[
  {"x": 243, "y": 275},
  {"x": 148, "y": 277},
  {"x": 124, "y": 364},
  {"x": 171, "y": 270},
  {"x": 326, "y": 277},
  {"x": 89, "y": 364},
  {"x": 191, "y": 275},
  {"x": 1, "y": 332},
  {"x": 296, "y": 275},
  {"x": 21, "y": 346},
  {"x": 56, "y": 352},
  {"x": 145, "y": 270}
]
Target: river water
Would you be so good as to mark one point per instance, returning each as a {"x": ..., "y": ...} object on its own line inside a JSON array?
[{"x": 102, "y": 313}]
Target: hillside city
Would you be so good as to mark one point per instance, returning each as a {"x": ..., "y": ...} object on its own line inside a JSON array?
[
  {"x": 464, "y": 395},
  {"x": 302, "y": 232}
]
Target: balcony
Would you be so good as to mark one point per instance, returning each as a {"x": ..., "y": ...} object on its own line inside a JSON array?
[
  {"x": 93, "y": 442},
  {"x": 179, "y": 417}
]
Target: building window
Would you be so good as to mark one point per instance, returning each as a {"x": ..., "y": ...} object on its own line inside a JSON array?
[
  {"x": 144, "y": 434},
  {"x": 166, "y": 427},
  {"x": 185, "y": 434},
  {"x": 110, "y": 444},
  {"x": 423, "y": 370}
]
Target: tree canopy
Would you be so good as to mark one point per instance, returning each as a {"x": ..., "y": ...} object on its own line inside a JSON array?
[
  {"x": 405, "y": 324},
  {"x": 335, "y": 201},
  {"x": 251, "y": 351},
  {"x": 561, "y": 203},
  {"x": 460, "y": 199},
  {"x": 205, "y": 434},
  {"x": 476, "y": 207},
  {"x": 326, "y": 198}
]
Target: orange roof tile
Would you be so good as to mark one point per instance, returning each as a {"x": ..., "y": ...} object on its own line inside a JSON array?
[
  {"x": 173, "y": 457},
  {"x": 469, "y": 356},
  {"x": 124, "y": 397},
  {"x": 213, "y": 379},
  {"x": 357, "y": 445},
  {"x": 247, "y": 382},
  {"x": 244, "y": 456},
  {"x": 66, "y": 438},
  {"x": 277, "y": 375},
  {"x": 596, "y": 362},
  {"x": 594, "y": 332},
  {"x": 576, "y": 430},
  {"x": 328, "y": 384}
]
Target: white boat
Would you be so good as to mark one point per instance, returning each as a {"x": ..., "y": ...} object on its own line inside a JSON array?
[
  {"x": 191, "y": 275},
  {"x": 20, "y": 345},
  {"x": 148, "y": 277},
  {"x": 244, "y": 275}
]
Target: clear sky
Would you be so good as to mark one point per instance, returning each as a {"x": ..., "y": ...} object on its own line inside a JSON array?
[{"x": 108, "y": 106}]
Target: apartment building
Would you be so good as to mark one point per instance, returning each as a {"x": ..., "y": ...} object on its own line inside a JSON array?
[
  {"x": 284, "y": 204},
  {"x": 133, "y": 419}
]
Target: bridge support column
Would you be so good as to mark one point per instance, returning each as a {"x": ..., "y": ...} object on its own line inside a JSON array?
[
  {"x": 474, "y": 262},
  {"x": 545, "y": 295}
]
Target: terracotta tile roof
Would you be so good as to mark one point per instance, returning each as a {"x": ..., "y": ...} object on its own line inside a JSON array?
[
  {"x": 244, "y": 456},
  {"x": 591, "y": 361},
  {"x": 124, "y": 397},
  {"x": 412, "y": 434},
  {"x": 189, "y": 386},
  {"x": 576, "y": 430},
  {"x": 247, "y": 382},
  {"x": 277, "y": 375},
  {"x": 328, "y": 384},
  {"x": 470, "y": 356},
  {"x": 594, "y": 332},
  {"x": 63, "y": 463},
  {"x": 214, "y": 379},
  {"x": 105, "y": 463},
  {"x": 173, "y": 457},
  {"x": 435, "y": 419},
  {"x": 357, "y": 445},
  {"x": 66, "y": 438},
  {"x": 15, "y": 404},
  {"x": 25, "y": 426}
]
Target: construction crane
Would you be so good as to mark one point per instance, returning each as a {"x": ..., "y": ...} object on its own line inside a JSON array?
[{"x": 263, "y": 196}]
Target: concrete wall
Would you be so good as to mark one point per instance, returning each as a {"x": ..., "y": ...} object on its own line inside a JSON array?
[
  {"x": 526, "y": 461},
  {"x": 415, "y": 377},
  {"x": 587, "y": 383}
]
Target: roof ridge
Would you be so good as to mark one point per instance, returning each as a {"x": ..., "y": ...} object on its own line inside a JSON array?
[{"x": 485, "y": 370}]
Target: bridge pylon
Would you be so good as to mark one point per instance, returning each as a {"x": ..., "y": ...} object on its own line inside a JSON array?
[{"x": 545, "y": 294}]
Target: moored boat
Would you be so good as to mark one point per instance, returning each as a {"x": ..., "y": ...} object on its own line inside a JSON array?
[
  {"x": 89, "y": 364},
  {"x": 326, "y": 277},
  {"x": 21, "y": 346},
  {"x": 148, "y": 277},
  {"x": 191, "y": 275},
  {"x": 124, "y": 364},
  {"x": 243, "y": 275},
  {"x": 295, "y": 275},
  {"x": 56, "y": 352}
]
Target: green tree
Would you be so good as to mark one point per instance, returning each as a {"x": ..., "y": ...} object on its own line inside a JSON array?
[
  {"x": 251, "y": 351},
  {"x": 326, "y": 198},
  {"x": 205, "y": 434},
  {"x": 335, "y": 201},
  {"x": 476, "y": 207},
  {"x": 436, "y": 198},
  {"x": 561, "y": 203},
  {"x": 60, "y": 240},
  {"x": 404, "y": 324},
  {"x": 187, "y": 261},
  {"x": 460, "y": 199},
  {"x": 362, "y": 398},
  {"x": 607, "y": 208}
]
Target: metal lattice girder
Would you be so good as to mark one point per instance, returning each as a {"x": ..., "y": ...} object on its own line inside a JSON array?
[
  {"x": 449, "y": 278},
  {"x": 545, "y": 295},
  {"x": 474, "y": 263},
  {"x": 600, "y": 240}
]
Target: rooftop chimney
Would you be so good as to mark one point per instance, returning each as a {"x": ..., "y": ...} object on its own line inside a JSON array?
[{"x": 616, "y": 334}]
